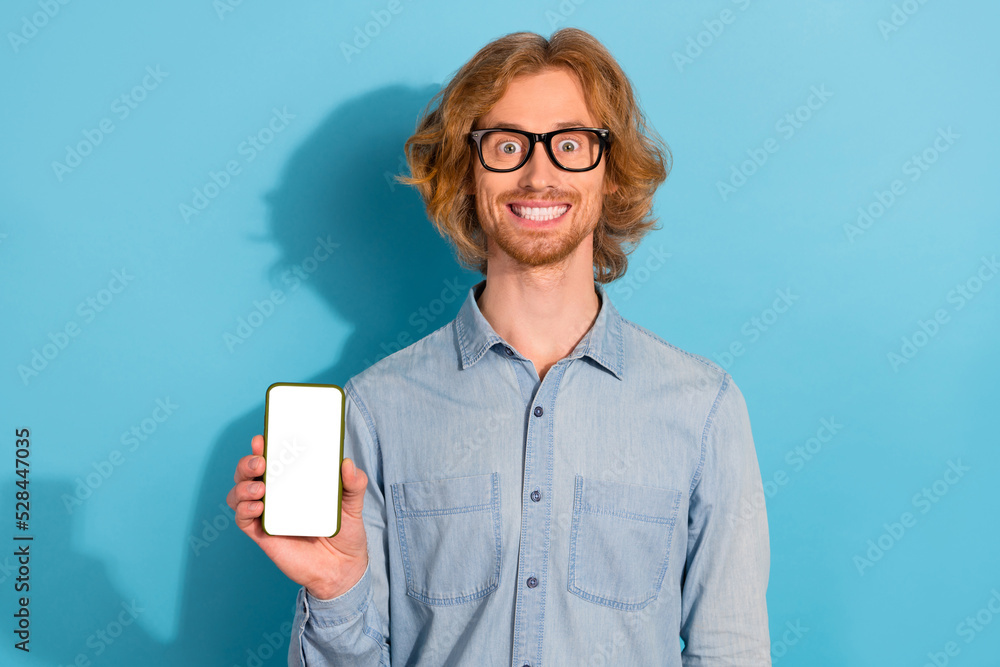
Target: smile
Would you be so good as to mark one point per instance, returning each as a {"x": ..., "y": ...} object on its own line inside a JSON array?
[{"x": 539, "y": 213}]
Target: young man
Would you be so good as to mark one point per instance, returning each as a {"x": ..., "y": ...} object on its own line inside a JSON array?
[{"x": 540, "y": 481}]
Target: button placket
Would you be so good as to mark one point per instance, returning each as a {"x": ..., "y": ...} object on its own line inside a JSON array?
[{"x": 536, "y": 521}]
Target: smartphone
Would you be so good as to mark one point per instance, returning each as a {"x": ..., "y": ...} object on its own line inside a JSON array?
[{"x": 304, "y": 449}]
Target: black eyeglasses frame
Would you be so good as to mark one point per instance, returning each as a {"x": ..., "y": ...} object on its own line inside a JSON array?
[{"x": 603, "y": 136}]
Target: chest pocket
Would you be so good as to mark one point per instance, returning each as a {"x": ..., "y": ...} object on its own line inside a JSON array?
[
  {"x": 620, "y": 541},
  {"x": 449, "y": 537}
]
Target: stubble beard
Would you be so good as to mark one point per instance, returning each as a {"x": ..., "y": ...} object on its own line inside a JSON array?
[{"x": 538, "y": 247}]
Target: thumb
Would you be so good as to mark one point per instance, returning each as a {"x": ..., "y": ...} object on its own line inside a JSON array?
[{"x": 355, "y": 482}]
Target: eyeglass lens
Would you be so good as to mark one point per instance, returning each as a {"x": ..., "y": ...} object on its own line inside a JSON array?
[{"x": 573, "y": 149}]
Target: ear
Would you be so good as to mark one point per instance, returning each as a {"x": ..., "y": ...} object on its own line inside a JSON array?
[{"x": 610, "y": 187}]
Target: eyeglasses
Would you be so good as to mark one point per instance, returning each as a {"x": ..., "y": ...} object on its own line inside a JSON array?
[{"x": 577, "y": 148}]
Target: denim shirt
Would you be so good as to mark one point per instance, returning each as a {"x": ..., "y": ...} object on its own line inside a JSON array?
[{"x": 595, "y": 517}]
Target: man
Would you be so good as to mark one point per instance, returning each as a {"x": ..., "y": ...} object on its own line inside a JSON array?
[{"x": 540, "y": 481}]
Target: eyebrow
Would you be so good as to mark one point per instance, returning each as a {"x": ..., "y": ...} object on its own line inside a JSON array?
[{"x": 558, "y": 126}]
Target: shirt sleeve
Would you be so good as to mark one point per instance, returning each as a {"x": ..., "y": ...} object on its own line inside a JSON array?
[
  {"x": 352, "y": 628},
  {"x": 723, "y": 592}
]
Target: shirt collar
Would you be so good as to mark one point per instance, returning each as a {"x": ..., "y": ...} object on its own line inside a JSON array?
[{"x": 603, "y": 343}]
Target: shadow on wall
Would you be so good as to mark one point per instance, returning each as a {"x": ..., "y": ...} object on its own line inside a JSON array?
[{"x": 384, "y": 263}]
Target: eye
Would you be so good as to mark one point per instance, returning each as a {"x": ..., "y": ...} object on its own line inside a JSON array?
[
  {"x": 568, "y": 146},
  {"x": 510, "y": 147}
]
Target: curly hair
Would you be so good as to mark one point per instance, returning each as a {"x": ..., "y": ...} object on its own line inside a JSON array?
[{"x": 438, "y": 152}]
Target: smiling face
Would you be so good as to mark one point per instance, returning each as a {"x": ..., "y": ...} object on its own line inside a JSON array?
[{"x": 539, "y": 214}]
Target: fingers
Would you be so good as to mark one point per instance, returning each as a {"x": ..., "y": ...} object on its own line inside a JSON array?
[
  {"x": 252, "y": 465},
  {"x": 244, "y": 472},
  {"x": 355, "y": 482},
  {"x": 248, "y": 506}
]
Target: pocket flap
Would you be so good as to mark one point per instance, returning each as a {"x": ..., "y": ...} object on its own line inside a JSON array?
[
  {"x": 628, "y": 501},
  {"x": 445, "y": 496}
]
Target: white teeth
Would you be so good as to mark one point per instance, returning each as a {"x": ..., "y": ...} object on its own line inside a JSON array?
[{"x": 539, "y": 214}]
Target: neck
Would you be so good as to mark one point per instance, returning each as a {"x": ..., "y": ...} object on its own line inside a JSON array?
[{"x": 543, "y": 312}]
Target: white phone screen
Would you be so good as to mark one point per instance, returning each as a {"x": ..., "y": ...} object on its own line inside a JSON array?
[{"x": 303, "y": 447}]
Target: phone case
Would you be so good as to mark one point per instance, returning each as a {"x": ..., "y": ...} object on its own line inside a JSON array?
[{"x": 304, "y": 450}]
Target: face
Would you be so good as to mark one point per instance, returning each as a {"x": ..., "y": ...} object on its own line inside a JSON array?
[{"x": 539, "y": 214}]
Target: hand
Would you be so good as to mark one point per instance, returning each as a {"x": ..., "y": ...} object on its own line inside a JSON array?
[{"x": 326, "y": 566}]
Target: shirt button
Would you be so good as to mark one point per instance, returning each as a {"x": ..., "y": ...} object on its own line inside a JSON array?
[
  {"x": 532, "y": 582},
  {"x": 510, "y": 352},
  {"x": 536, "y": 495},
  {"x": 538, "y": 411}
]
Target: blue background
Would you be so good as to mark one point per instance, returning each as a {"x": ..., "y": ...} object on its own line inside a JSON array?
[{"x": 153, "y": 531}]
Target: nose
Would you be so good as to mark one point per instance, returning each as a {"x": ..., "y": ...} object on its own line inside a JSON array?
[{"x": 539, "y": 171}]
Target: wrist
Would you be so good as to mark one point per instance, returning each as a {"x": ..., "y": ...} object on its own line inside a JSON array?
[{"x": 329, "y": 590}]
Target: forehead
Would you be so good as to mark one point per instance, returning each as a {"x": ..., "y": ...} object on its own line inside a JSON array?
[{"x": 539, "y": 102}]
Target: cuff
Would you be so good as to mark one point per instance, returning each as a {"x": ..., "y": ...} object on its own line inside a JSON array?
[{"x": 343, "y": 608}]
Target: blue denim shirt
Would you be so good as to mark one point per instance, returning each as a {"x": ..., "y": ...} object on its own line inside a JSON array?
[{"x": 592, "y": 518}]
